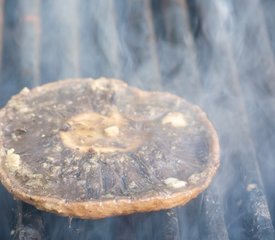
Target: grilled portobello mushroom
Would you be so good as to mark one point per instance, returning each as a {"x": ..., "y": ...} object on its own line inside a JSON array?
[{"x": 97, "y": 148}]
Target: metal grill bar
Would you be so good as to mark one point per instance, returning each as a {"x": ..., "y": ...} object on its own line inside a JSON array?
[
  {"x": 172, "y": 227},
  {"x": 68, "y": 29},
  {"x": 213, "y": 225},
  {"x": 99, "y": 40},
  {"x": 176, "y": 49},
  {"x": 1, "y": 32},
  {"x": 60, "y": 40},
  {"x": 139, "y": 58},
  {"x": 10, "y": 83},
  {"x": 7, "y": 206},
  {"x": 268, "y": 7},
  {"x": 29, "y": 37},
  {"x": 29, "y": 224}
]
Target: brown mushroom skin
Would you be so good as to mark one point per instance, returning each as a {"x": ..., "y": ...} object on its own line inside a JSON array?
[{"x": 125, "y": 121}]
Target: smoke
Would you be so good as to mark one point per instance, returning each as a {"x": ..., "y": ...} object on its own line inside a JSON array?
[
  {"x": 238, "y": 87},
  {"x": 218, "y": 54}
]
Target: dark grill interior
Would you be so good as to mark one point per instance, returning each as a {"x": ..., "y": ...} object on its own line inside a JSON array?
[{"x": 218, "y": 54}]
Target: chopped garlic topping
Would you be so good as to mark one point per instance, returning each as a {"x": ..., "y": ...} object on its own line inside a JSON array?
[
  {"x": 176, "y": 119},
  {"x": 251, "y": 187},
  {"x": 112, "y": 131},
  {"x": 12, "y": 160},
  {"x": 174, "y": 182},
  {"x": 25, "y": 90}
]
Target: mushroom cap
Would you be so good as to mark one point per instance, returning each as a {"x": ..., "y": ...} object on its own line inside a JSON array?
[{"x": 96, "y": 148}]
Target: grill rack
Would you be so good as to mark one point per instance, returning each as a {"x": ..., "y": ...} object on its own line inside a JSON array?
[{"x": 195, "y": 49}]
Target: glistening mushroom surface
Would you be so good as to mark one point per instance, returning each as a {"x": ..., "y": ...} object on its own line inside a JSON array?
[{"x": 99, "y": 140}]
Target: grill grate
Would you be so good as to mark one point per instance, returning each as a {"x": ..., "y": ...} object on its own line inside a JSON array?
[{"x": 214, "y": 53}]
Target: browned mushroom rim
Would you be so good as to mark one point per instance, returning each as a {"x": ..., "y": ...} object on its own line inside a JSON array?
[{"x": 96, "y": 148}]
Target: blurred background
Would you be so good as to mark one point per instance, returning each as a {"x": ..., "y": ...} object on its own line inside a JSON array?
[{"x": 218, "y": 54}]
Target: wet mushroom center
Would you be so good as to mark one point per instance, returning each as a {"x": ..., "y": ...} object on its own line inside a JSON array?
[{"x": 93, "y": 132}]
